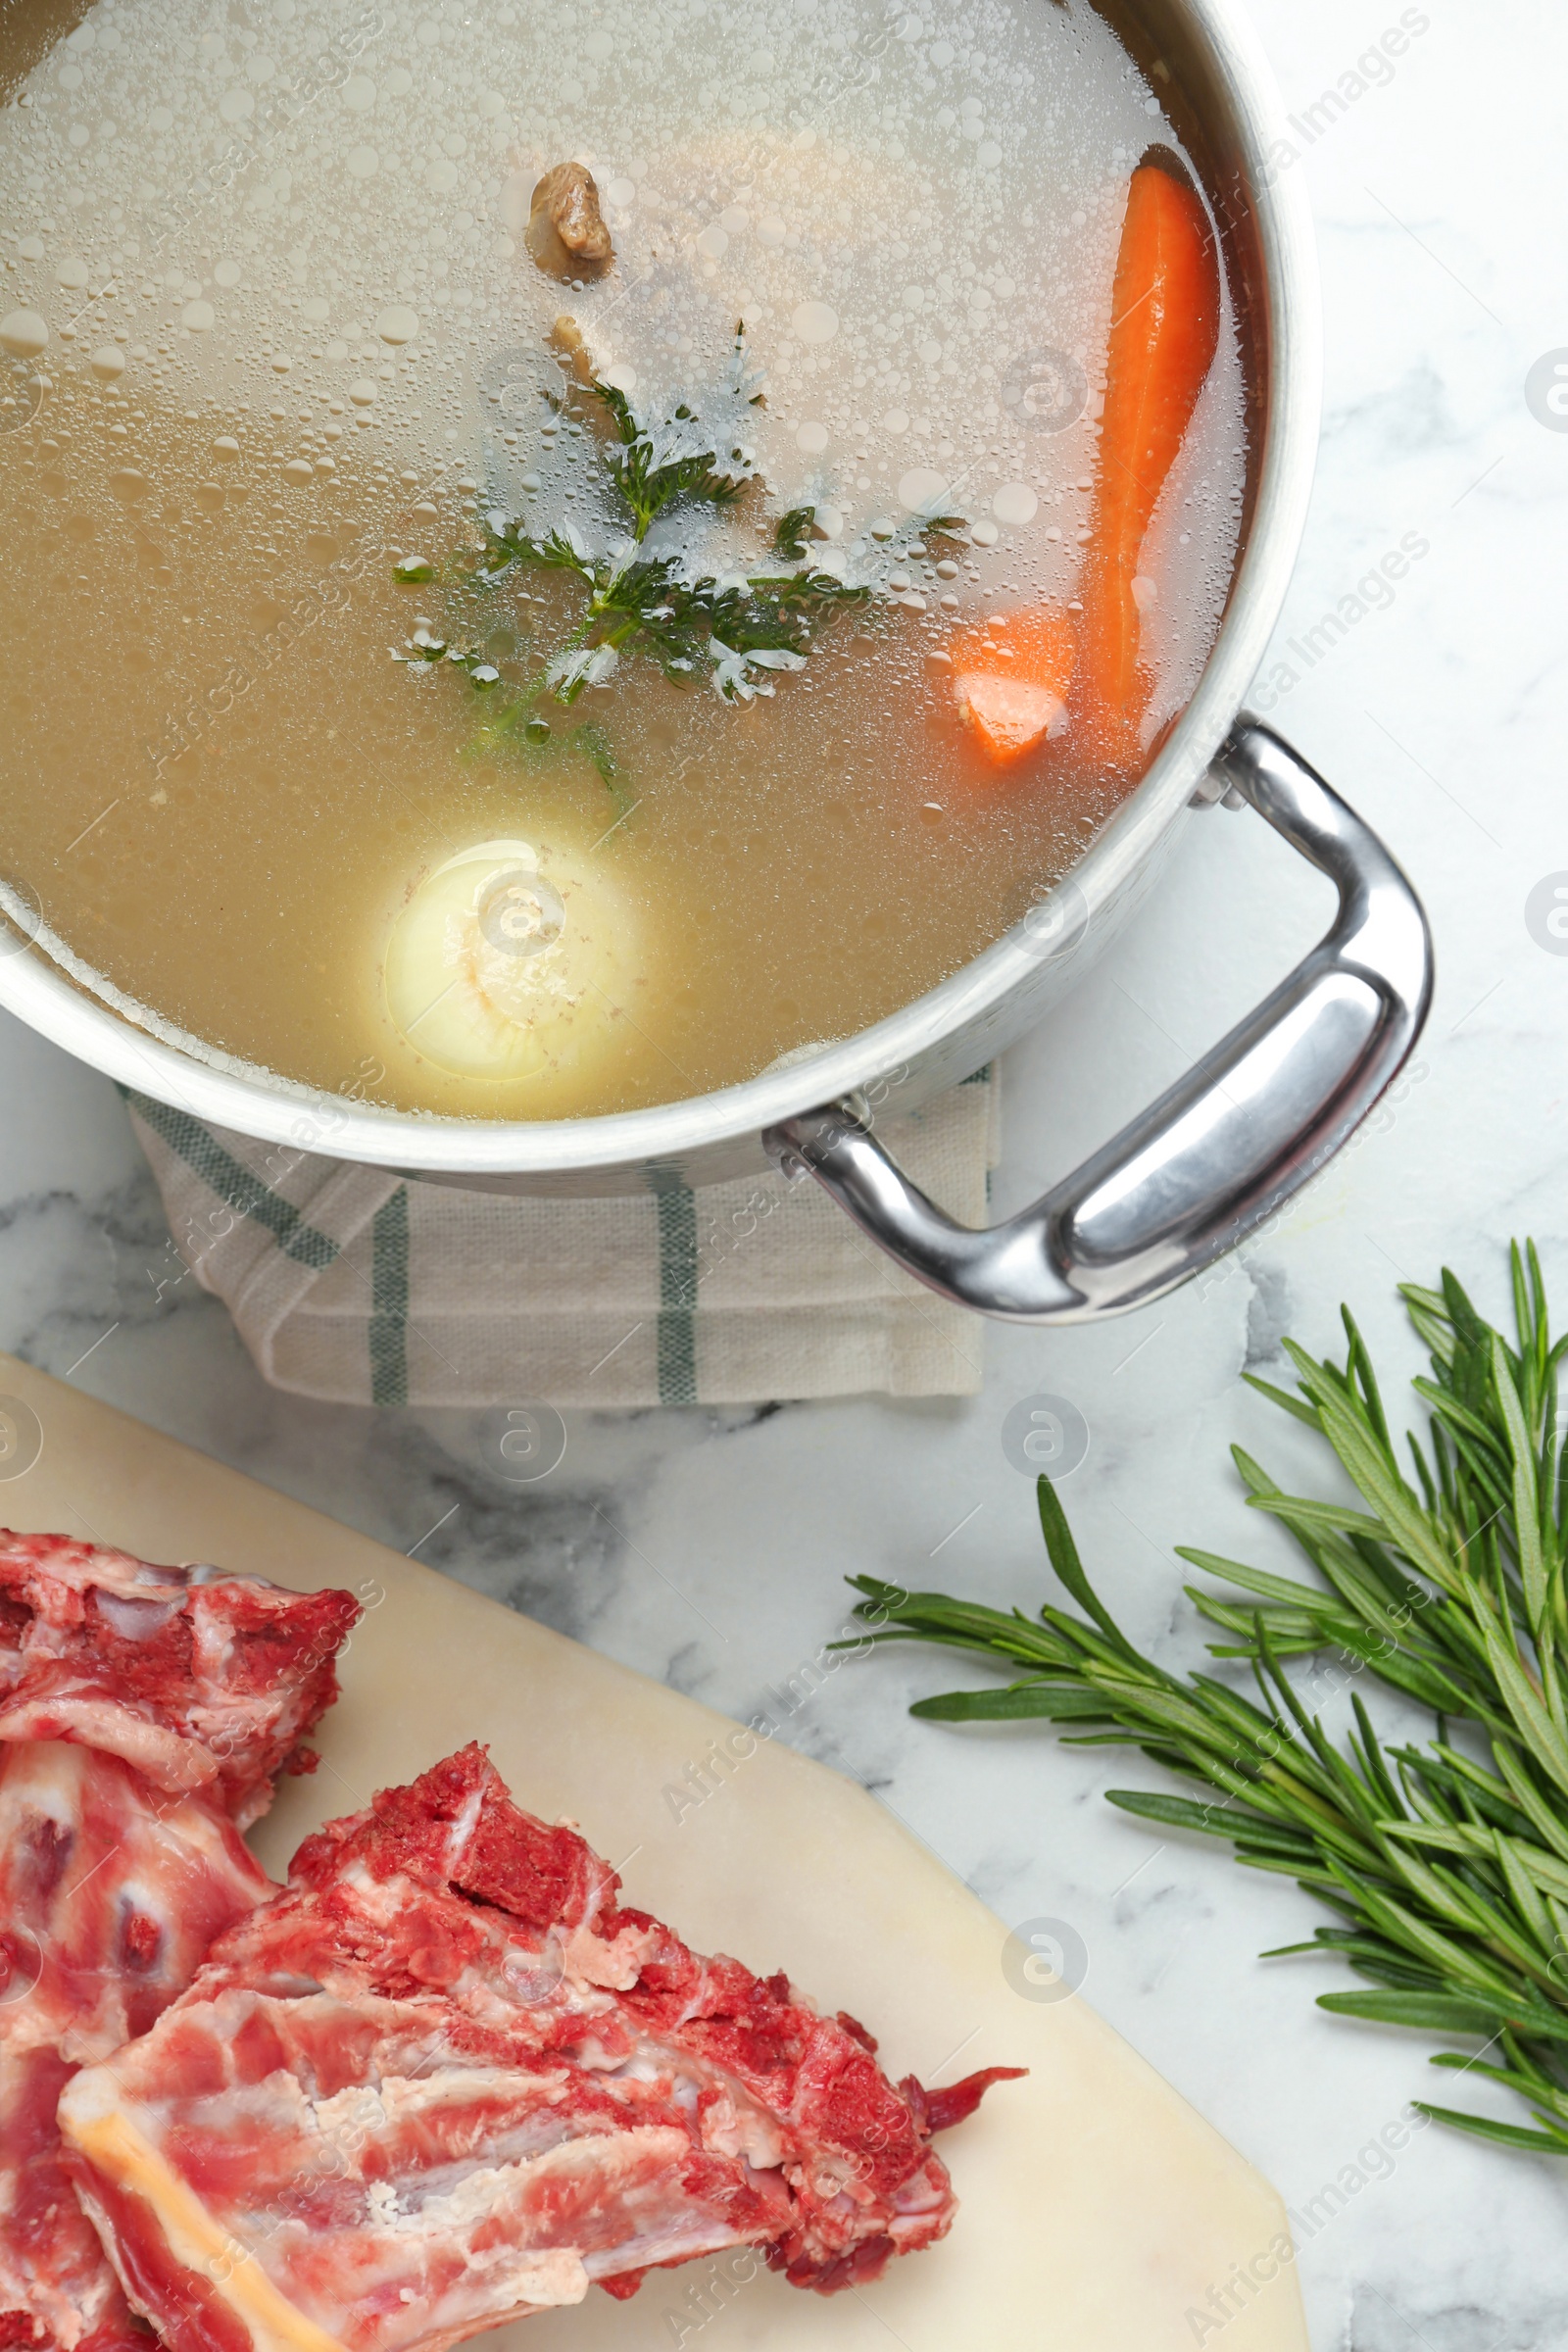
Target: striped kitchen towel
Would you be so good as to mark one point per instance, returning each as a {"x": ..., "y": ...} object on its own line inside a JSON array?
[{"x": 352, "y": 1284}]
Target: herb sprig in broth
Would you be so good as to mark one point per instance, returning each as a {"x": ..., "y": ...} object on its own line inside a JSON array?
[{"x": 739, "y": 628}]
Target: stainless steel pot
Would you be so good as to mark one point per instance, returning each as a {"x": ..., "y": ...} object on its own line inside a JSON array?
[{"x": 1216, "y": 1155}]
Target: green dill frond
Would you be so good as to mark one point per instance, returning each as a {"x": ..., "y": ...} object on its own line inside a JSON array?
[{"x": 738, "y": 631}]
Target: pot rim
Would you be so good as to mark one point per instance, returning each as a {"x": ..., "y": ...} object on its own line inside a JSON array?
[{"x": 271, "y": 1109}]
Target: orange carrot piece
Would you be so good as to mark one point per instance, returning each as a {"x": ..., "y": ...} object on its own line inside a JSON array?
[
  {"x": 1007, "y": 716},
  {"x": 1011, "y": 680},
  {"x": 1163, "y": 334}
]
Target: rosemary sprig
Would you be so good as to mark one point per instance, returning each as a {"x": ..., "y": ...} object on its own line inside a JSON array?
[{"x": 1448, "y": 1861}]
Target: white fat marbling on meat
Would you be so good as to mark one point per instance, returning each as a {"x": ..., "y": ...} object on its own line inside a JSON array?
[
  {"x": 173, "y": 1763},
  {"x": 463, "y": 1829},
  {"x": 734, "y": 2125},
  {"x": 617, "y": 1965}
]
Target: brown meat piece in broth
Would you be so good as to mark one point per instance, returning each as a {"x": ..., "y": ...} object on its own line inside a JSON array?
[
  {"x": 565, "y": 338},
  {"x": 566, "y": 233}
]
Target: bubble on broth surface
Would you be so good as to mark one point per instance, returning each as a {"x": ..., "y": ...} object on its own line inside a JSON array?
[
  {"x": 22, "y": 392},
  {"x": 922, "y": 491},
  {"x": 1015, "y": 502},
  {"x": 815, "y": 322},
  {"x": 24, "y": 334}
]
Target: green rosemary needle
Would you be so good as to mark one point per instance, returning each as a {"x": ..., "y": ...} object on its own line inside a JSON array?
[{"x": 1447, "y": 1861}]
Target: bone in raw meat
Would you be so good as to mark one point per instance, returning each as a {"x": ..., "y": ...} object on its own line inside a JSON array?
[
  {"x": 139, "y": 1707},
  {"x": 200, "y": 1679},
  {"x": 447, "y": 2080}
]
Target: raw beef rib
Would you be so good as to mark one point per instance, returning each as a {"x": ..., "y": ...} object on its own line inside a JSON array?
[
  {"x": 111, "y": 1894},
  {"x": 447, "y": 2080},
  {"x": 139, "y": 1707},
  {"x": 55, "y": 2287},
  {"x": 201, "y": 1680}
]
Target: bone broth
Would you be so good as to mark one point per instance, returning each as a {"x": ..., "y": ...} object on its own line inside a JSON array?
[{"x": 557, "y": 552}]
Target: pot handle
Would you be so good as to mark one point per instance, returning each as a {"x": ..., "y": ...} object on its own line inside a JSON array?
[{"x": 1224, "y": 1148}]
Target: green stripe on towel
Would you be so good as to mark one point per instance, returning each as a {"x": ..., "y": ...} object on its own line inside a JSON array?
[
  {"x": 387, "y": 1333},
  {"x": 246, "y": 1194},
  {"x": 676, "y": 1348}
]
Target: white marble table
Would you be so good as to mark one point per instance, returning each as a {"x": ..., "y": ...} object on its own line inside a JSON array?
[{"x": 1440, "y": 196}]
